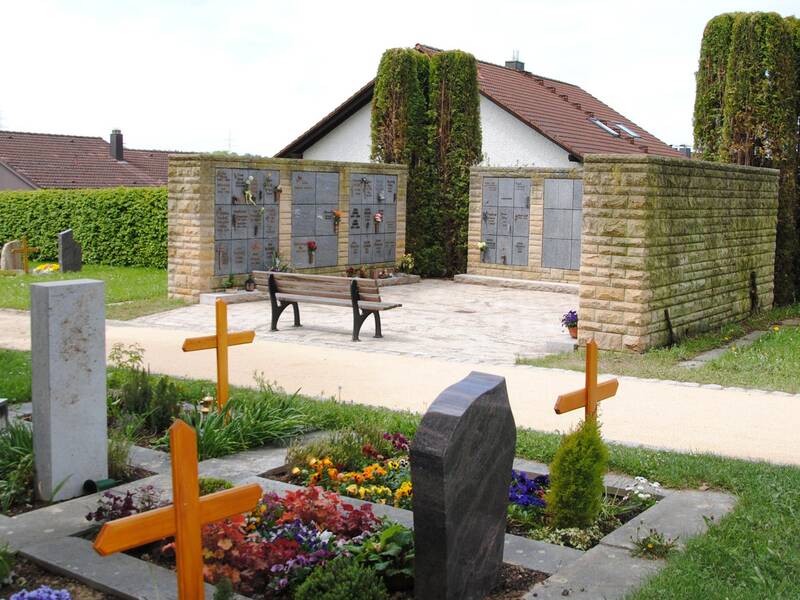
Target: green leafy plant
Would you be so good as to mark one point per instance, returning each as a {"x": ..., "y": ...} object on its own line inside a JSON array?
[
  {"x": 341, "y": 579},
  {"x": 209, "y": 485},
  {"x": 576, "y": 477},
  {"x": 224, "y": 589},
  {"x": 654, "y": 545},
  {"x": 390, "y": 553},
  {"x": 120, "y": 443},
  {"x": 16, "y": 464},
  {"x": 345, "y": 447},
  {"x": 7, "y": 561},
  {"x": 164, "y": 406},
  {"x": 136, "y": 393},
  {"x": 120, "y": 226}
]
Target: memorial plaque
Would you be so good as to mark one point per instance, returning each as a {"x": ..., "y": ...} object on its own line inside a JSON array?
[
  {"x": 506, "y": 185},
  {"x": 556, "y": 253},
  {"x": 240, "y": 217},
  {"x": 301, "y": 257},
  {"x": 366, "y": 249},
  {"x": 521, "y": 222},
  {"x": 378, "y": 249},
  {"x": 391, "y": 249},
  {"x": 327, "y": 250},
  {"x": 222, "y": 258},
  {"x": 490, "y": 254},
  {"x": 489, "y": 220},
  {"x": 366, "y": 218},
  {"x": 367, "y": 185},
  {"x": 238, "y": 257},
  {"x": 304, "y": 187},
  {"x": 522, "y": 193},
  {"x": 557, "y": 223},
  {"x": 327, "y": 188},
  {"x": 272, "y": 179},
  {"x": 304, "y": 220},
  {"x": 503, "y": 250},
  {"x": 256, "y": 185},
  {"x": 356, "y": 221},
  {"x": 354, "y": 251},
  {"x": 255, "y": 222},
  {"x": 270, "y": 250},
  {"x": 356, "y": 189},
  {"x": 379, "y": 187},
  {"x": 222, "y": 222},
  {"x": 491, "y": 191},
  {"x": 519, "y": 248},
  {"x": 390, "y": 218},
  {"x": 223, "y": 186},
  {"x": 505, "y": 221},
  {"x": 239, "y": 183},
  {"x": 391, "y": 189},
  {"x": 325, "y": 219},
  {"x": 271, "y": 219},
  {"x": 255, "y": 256}
]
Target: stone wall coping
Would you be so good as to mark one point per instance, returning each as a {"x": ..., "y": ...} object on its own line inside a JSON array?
[
  {"x": 669, "y": 160},
  {"x": 491, "y": 171},
  {"x": 305, "y": 164}
]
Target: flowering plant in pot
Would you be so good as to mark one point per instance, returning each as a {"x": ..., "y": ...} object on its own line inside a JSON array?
[
  {"x": 312, "y": 248},
  {"x": 570, "y": 321}
]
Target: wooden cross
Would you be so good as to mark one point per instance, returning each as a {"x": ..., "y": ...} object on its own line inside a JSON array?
[
  {"x": 25, "y": 250},
  {"x": 220, "y": 342},
  {"x": 592, "y": 393},
  {"x": 183, "y": 519}
]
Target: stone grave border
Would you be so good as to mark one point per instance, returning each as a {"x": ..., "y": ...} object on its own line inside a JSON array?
[{"x": 48, "y": 536}]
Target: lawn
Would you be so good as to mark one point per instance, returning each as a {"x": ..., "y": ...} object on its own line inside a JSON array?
[
  {"x": 130, "y": 291},
  {"x": 771, "y": 363},
  {"x": 752, "y": 553}
]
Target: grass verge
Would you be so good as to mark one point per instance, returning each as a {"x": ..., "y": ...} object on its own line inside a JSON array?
[
  {"x": 130, "y": 291},
  {"x": 771, "y": 363}
]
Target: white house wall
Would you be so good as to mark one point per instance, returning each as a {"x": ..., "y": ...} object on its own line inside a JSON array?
[
  {"x": 350, "y": 141},
  {"x": 507, "y": 141}
]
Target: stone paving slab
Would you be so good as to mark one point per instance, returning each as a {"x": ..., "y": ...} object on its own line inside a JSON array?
[
  {"x": 706, "y": 357},
  {"x": 443, "y": 319},
  {"x": 602, "y": 573}
]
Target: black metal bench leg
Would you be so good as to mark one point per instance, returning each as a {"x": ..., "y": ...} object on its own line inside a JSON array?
[
  {"x": 296, "y": 309},
  {"x": 358, "y": 321},
  {"x": 378, "y": 333},
  {"x": 277, "y": 310}
]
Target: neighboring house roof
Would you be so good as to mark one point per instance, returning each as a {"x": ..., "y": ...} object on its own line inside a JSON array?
[
  {"x": 73, "y": 161},
  {"x": 564, "y": 113}
]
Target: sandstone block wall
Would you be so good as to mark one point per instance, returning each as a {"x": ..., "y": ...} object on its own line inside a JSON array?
[
  {"x": 676, "y": 235},
  {"x": 191, "y": 198},
  {"x": 534, "y": 269}
]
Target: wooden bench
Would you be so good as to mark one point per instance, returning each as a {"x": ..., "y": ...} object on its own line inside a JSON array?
[{"x": 290, "y": 289}]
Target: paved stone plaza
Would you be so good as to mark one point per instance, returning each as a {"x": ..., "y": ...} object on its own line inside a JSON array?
[{"x": 441, "y": 319}]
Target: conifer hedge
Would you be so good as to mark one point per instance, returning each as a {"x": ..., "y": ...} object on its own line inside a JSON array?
[
  {"x": 120, "y": 226},
  {"x": 426, "y": 114},
  {"x": 759, "y": 110}
]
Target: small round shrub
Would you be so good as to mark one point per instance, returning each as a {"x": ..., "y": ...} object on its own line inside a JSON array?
[
  {"x": 576, "y": 478},
  {"x": 342, "y": 579}
]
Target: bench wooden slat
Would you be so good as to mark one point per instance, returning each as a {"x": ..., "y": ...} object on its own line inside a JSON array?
[
  {"x": 378, "y": 305},
  {"x": 313, "y": 300}
]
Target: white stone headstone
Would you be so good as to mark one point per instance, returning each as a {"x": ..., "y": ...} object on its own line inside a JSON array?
[
  {"x": 10, "y": 260},
  {"x": 70, "y": 434}
]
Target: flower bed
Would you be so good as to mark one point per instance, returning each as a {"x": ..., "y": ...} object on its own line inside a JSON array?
[{"x": 381, "y": 473}]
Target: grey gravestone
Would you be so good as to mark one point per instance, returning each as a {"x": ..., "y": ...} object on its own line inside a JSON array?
[
  {"x": 70, "y": 255},
  {"x": 10, "y": 260},
  {"x": 70, "y": 436},
  {"x": 461, "y": 460}
]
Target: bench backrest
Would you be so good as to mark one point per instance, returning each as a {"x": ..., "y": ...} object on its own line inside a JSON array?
[{"x": 320, "y": 286}]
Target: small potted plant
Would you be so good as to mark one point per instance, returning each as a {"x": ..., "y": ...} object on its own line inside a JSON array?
[
  {"x": 570, "y": 321},
  {"x": 337, "y": 218},
  {"x": 377, "y": 217},
  {"x": 311, "y": 245}
]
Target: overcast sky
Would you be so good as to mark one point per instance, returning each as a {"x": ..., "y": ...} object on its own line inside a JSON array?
[{"x": 250, "y": 75}]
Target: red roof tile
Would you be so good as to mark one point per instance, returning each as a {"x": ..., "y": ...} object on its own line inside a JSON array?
[
  {"x": 71, "y": 161},
  {"x": 560, "y": 111}
]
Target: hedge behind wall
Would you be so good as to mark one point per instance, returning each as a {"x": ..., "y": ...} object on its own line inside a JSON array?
[{"x": 119, "y": 226}]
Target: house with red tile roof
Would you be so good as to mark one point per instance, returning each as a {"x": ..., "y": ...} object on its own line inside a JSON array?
[
  {"x": 31, "y": 161},
  {"x": 526, "y": 120}
]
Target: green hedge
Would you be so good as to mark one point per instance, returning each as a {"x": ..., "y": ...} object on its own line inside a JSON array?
[{"x": 120, "y": 226}]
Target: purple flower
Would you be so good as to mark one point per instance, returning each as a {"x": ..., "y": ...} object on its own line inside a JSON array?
[
  {"x": 42, "y": 593},
  {"x": 524, "y": 491}
]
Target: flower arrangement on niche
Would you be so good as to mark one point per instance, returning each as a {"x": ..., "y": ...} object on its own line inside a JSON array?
[
  {"x": 482, "y": 248},
  {"x": 337, "y": 219},
  {"x": 311, "y": 246},
  {"x": 378, "y": 218},
  {"x": 570, "y": 321}
]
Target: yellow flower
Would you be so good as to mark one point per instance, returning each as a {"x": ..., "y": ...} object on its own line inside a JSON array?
[
  {"x": 332, "y": 473},
  {"x": 650, "y": 546},
  {"x": 312, "y": 462},
  {"x": 296, "y": 471},
  {"x": 776, "y": 328},
  {"x": 393, "y": 465},
  {"x": 361, "y": 492},
  {"x": 352, "y": 488}
]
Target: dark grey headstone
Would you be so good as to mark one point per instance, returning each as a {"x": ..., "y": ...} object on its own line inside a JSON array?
[
  {"x": 70, "y": 255},
  {"x": 461, "y": 460}
]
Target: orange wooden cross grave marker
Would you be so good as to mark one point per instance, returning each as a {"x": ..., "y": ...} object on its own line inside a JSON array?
[
  {"x": 220, "y": 342},
  {"x": 183, "y": 519},
  {"x": 25, "y": 250},
  {"x": 592, "y": 393}
]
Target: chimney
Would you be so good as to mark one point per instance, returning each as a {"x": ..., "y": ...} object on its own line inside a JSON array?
[
  {"x": 116, "y": 144},
  {"x": 515, "y": 63}
]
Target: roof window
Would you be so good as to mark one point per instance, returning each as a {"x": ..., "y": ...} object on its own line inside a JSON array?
[
  {"x": 628, "y": 130},
  {"x": 604, "y": 127}
]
